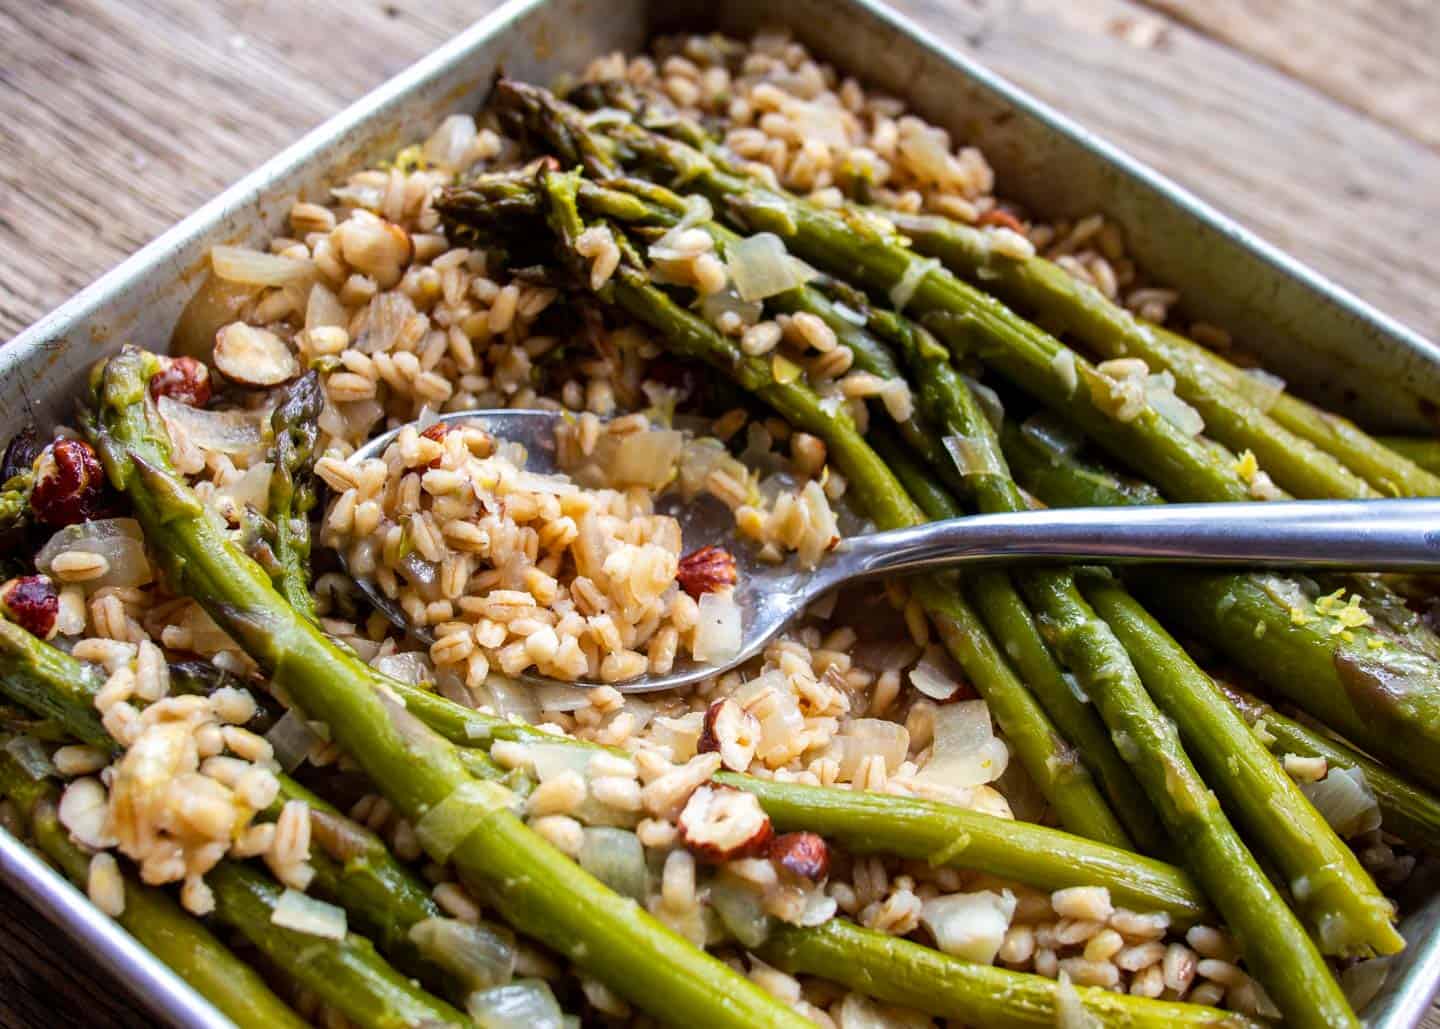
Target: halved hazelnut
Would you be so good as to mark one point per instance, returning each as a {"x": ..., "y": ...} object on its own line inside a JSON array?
[
  {"x": 732, "y": 731},
  {"x": 801, "y": 853},
  {"x": 184, "y": 379},
  {"x": 33, "y": 603},
  {"x": 721, "y": 823},
  {"x": 706, "y": 570},
  {"x": 253, "y": 356},
  {"x": 69, "y": 483}
]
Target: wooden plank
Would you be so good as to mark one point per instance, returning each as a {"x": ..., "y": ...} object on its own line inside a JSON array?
[{"x": 1362, "y": 53}]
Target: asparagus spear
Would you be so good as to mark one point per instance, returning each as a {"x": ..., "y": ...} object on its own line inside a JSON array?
[
  {"x": 153, "y": 918},
  {"x": 1048, "y": 859},
  {"x": 1345, "y": 911},
  {"x": 1064, "y": 781},
  {"x": 1422, "y": 450},
  {"x": 1275, "y": 945},
  {"x": 900, "y": 972},
  {"x": 346, "y": 974},
  {"x": 1388, "y": 472},
  {"x": 1361, "y": 681},
  {"x": 948, "y": 402},
  {"x": 534, "y": 886},
  {"x": 967, "y": 320},
  {"x": 295, "y": 423},
  {"x": 1048, "y": 469},
  {"x": 1008, "y": 617},
  {"x": 1067, "y": 306},
  {"x": 353, "y": 867},
  {"x": 1408, "y": 811}
]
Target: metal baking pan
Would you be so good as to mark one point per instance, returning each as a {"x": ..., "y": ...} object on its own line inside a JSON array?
[{"x": 1307, "y": 328}]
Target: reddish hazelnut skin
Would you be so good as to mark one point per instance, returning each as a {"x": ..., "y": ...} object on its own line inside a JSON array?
[
  {"x": 184, "y": 379},
  {"x": 32, "y": 603},
  {"x": 69, "y": 484},
  {"x": 801, "y": 853},
  {"x": 706, "y": 570},
  {"x": 712, "y": 851}
]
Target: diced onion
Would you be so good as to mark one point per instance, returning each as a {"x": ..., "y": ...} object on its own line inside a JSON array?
[
  {"x": 646, "y": 458},
  {"x": 1070, "y": 1011},
  {"x": 411, "y": 667},
  {"x": 713, "y": 305},
  {"x": 476, "y": 957},
  {"x": 215, "y": 304},
  {"x": 1345, "y": 800},
  {"x": 858, "y": 1011},
  {"x": 927, "y": 150},
  {"x": 782, "y": 723},
  {"x": 510, "y": 699},
  {"x": 557, "y": 696},
  {"x": 1160, "y": 394},
  {"x": 915, "y": 273},
  {"x": 868, "y": 737},
  {"x": 966, "y": 751},
  {"x": 1264, "y": 389},
  {"x": 969, "y": 925},
  {"x": 257, "y": 268},
  {"x": 1362, "y": 981},
  {"x": 445, "y": 826},
  {"x": 617, "y": 859},
  {"x": 523, "y": 1004},
  {"x": 761, "y": 267},
  {"x": 450, "y": 142},
  {"x": 251, "y": 489},
  {"x": 228, "y": 432},
  {"x": 322, "y": 309},
  {"x": 988, "y": 400},
  {"x": 930, "y": 678},
  {"x": 305, "y": 914},
  {"x": 741, "y": 910},
  {"x": 118, "y": 540},
  {"x": 718, "y": 631},
  {"x": 974, "y": 455},
  {"x": 29, "y": 753},
  {"x": 1063, "y": 365},
  {"x": 291, "y": 738}
]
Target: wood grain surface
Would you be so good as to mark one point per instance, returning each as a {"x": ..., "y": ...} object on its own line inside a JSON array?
[{"x": 1313, "y": 123}]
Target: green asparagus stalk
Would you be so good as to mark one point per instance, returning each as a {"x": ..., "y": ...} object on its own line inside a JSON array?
[
  {"x": 1047, "y": 859},
  {"x": 353, "y": 867},
  {"x": 1008, "y": 617},
  {"x": 1335, "y": 896},
  {"x": 1275, "y": 945},
  {"x": 1067, "y": 306},
  {"x": 292, "y": 488},
  {"x": 897, "y": 971},
  {"x": 346, "y": 974},
  {"x": 534, "y": 886},
  {"x": 970, "y": 322},
  {"x": 1362, "y": 681},
  {"x": 1064, "y": 782},
  {"x": 50, "y": 683},
  {"x": 1047, "y": 468},
  {"x": 1388, "y": 472},
  {"x": 1406, "y": 810},
  {"x": 179, "y": 940},
  {"x": 1422, "y": 450}
]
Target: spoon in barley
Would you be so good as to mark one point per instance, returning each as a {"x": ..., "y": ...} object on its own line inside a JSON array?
[{"x": 1370, "y": 535}]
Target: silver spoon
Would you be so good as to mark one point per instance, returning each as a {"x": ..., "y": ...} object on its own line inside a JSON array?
[{"x": 1371, "y": 535}]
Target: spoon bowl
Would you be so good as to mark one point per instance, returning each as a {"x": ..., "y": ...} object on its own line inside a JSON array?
[{"x": 1373, "y": 535}]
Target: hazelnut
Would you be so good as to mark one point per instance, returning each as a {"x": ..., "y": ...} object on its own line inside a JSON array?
[
  {"x": 184, "y": 379},
  {"x": 69, "y": 484},
  {"x": 721, "y": 823},
  {"x": 706, "y": 570},
  {"x": 802, "y": 854},
  {"x": 732, "y": 731},
  {"x": 254, "y": 357},
  {"x": 33, "y": 603}
]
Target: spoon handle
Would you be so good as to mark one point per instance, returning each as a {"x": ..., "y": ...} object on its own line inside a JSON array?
[{"x": 1372, "y": 535}]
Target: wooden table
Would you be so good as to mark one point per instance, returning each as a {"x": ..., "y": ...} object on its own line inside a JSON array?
[{"x": 1312, "y": 123}]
